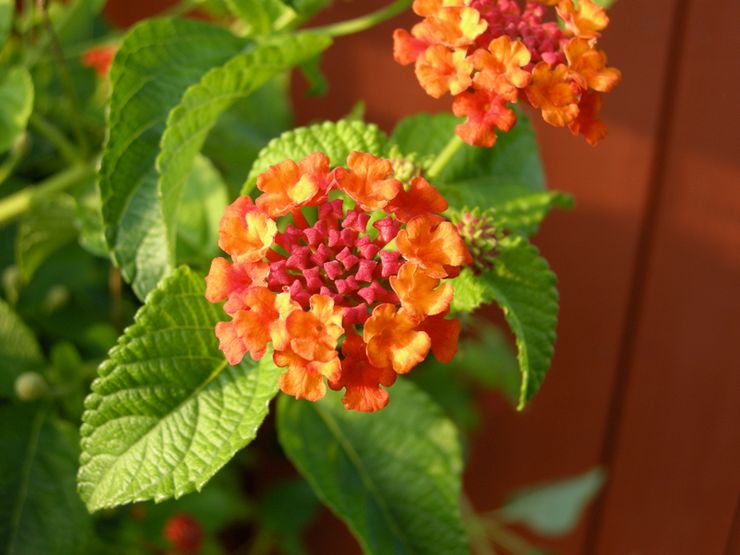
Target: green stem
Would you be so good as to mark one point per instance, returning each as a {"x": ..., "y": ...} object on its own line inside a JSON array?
[
  {"x": 64, "y": 74},
  {"x": 17, "y": 151},
  {"x": 16, "y": 204},
  {"x": 365, "y": 22},
  {"x": 444, "y": 157},
  {"x": 56, "y": 137}
]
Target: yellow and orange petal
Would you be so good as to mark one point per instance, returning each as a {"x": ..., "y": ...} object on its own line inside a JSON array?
[
  {"x": 485, "y": 112},
  {"x": 362, "y": 381},
  {"x": 406, "y": 47},
  {"x": 585, "y": 21},
  {"x": 419, "y": 293},
  {"x": 500, "y": 67},
  {"x": 314, "y": 334},
  {"x": 288, "y": 185},
  {"x": 421, "y": 198},
  {"x": 586, "y": 124},
  {"x": 444, "y": 334},
  {"x": 434, "y": 244},
  {"x": 305, "y": 379},
  {"x": 552, "y": 91},
  {"x": 454, "y": 26},
  {"x": 369, "y": 180},
  {"x": 393, "y": 340},
  {"x": 441, "y": 70},
  {"x": 223, "y": 278},
  {"x": 588, "y": 66},
  {"x": 425, "y": 8},
  {"x": 245, "y": 232}
]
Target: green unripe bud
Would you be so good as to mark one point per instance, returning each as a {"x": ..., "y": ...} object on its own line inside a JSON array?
[{"x": 30, "y": 386}]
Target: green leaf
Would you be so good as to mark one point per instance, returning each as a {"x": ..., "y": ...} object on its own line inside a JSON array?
[
  {"x": 201, "y": 105},
  {"x": 19, "y": 350},
  {"x": 263, "y": 16},
  {"x": 167, "y": 412},
  {"x": 335, "y": 139},
  {"x": 393, "y": 476},
  {"x": 40, "y": 512},
  {"x": 157, "y": 61},
  {"x": 7, "y": 9},
  {"x": 514, "y": 159},
  {"x": 204, "y": 199},
  {"x": 285, "y": 510},
  {"x": 46, "y": 227},
  {"x": 522, "y": 284},
  {"x": 555, "y": 508},
  {"x": 245, "y": 128},
  {"x": 16, "y": 104}
]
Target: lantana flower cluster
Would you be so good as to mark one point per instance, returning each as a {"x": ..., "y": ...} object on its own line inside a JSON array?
[
  {"x": 490, "y": 53},
  {"x": 344, "y": 272}
]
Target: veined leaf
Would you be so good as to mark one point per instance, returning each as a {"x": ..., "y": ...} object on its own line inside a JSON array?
[
  {"x": 393, "y": 476},
  {"x": 167, "y": 412},
  {"x": 201, "y": 105},
  {"x": 46, "y": 227},
  {"x": 524, "y": 287},
  {"x": 40, "y": 512},
  {"x": 157, "y": 61},
  {"x": 335, "y": 139},
  {"x": 19, "y": 350},
  {"x": 16, "y": 104}
]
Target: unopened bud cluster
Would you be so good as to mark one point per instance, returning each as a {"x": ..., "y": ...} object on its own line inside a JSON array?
[{"x": 478, "y": 230}]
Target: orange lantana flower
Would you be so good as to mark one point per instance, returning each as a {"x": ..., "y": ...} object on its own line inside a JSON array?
[
  {"x": 365, "y": 277},
  {"x": 500, "y": 67},
  {"x": 554, "y": 94},
  {"x": 441, "y": 70},
  {"x": 586, "y": 123},
  {"x": 585, "y": 21},
  {"x": 588, "y": 66}
]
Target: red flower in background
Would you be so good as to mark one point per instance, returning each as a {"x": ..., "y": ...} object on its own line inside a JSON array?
[
  {"x": 185, "y": 533},
  {"x": 100, "y": 59},
  {"x": 343, "y": 271},
  {"x": 486, "y": 53}
]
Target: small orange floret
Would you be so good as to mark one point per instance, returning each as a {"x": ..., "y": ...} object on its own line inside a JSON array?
[
  {"x": 585, "y": 21},
  {"x": 406, "y": 47},
  {"x": 100, "y": 59},
  {"x": 444, "y": 335},
  {"x": 368, "y": 180},
  {"x": 586, "y": 123},
  {"x": 288, "y": 185},
  {"x": 588, "y": 66},
  {"x": 361, "y": 379},
  {"x": 553, "y": 92},
  {"x": 245, "y": 232},
  {"x": 441, "y": 70},
  {"x": 455, "y": 26},
  {"x": 420, "y": 294},
  {"x": 485, "y": 112},
  {"x": 432, "y": 243},
  {"x": 393, "y": 340},
  {"x": 500, "y": 67},
  {"x": 426, "y": 8},
  {"x": 311, "y": 349},
  {"x": 421, "y": 198},
  {"x": 223, "y": 279}
]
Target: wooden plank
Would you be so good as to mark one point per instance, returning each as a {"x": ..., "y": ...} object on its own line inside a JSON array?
[{"x": 675, "y": 476}]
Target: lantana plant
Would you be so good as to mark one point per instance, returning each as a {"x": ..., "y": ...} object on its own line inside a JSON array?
[{"x": 333, "y": 273}]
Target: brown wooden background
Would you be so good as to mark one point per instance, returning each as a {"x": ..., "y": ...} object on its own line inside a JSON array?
[{"x": 646, "y": 376}]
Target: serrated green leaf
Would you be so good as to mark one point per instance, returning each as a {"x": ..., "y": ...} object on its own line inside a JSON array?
[
  {"x": 16, "y": 104},
  {"x": 167, "y": 412},
  {"x": 335, "y": 139},
  {"x": 393, "y": 476},
  {"x": 245, "y": 128},
  {"x": 555, "y": 508},
  {"x": 40, "y": 512},
  {"x": 19, "y": 350},
  {"x": 522, "y": 284},
  {"x": 46, "y": 227},
  {"x": 7, "y": 8},
  {"x": 204, "y": 199},
  {"x": 201, "y": 105},
  {"x": 157, "y": 61}
]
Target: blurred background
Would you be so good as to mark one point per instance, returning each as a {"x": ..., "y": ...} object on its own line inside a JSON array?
[{"x": 645, "y": 381}]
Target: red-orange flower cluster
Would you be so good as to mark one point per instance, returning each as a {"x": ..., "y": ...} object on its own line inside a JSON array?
[
  {"x": 490, "y": 53},
  {"x": 345, "y": 271},
  {"x": 99, "y": 58}
]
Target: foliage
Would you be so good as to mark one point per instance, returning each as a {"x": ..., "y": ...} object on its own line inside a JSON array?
[{"x": 111, "y": 192}]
